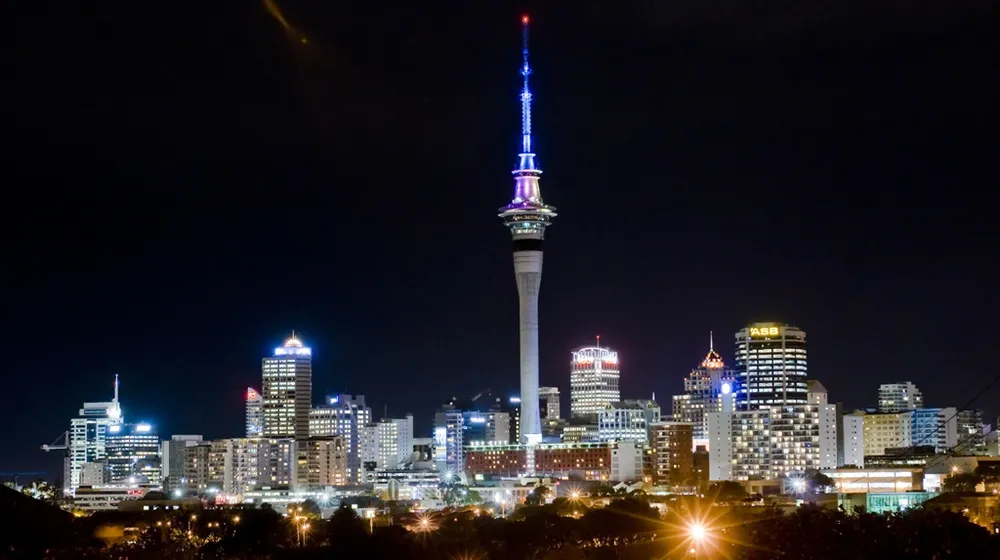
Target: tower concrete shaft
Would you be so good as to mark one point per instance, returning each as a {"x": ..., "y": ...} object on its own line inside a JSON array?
[
  {"x": 527, "y": 216},
  {"x": 528, "y": 272}
]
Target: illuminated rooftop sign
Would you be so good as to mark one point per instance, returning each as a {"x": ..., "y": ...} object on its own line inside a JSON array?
[
  {"x": 252, "y": 395},
  {"x": 765, "y": 331}
]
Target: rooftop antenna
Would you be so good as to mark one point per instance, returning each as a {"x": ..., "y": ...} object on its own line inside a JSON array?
[
  {"x": 598, "y": 341},
  {"x": 711, "y": 342},
  {"x": 526, "y": 92}
]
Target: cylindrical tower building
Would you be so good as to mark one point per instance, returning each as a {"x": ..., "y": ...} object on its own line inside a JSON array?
[{"x": 771, "y": 366}]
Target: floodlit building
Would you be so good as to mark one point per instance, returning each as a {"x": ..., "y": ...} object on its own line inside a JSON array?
[
  {"x": 899, "y": 397},
  {"x": 594, "y": 381},
  {"x": 287, "y": 390},
  {"x": 703, "y": 393},
  {"x": 885, "y": 431}
]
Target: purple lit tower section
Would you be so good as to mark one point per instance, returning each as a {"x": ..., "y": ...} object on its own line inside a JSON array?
[{"x": 527, "y": 217}]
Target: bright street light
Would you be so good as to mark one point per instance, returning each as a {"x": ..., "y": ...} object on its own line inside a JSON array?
[{"x": 698, "y": 531}]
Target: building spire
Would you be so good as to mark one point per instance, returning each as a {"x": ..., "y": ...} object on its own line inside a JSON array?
[
  {"x": 115, "y": 400},
  {"x": 711, "y": 342},
  {"x": 526, "y": 159}
]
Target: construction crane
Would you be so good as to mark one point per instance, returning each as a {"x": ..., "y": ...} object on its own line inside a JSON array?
[
  {"x": 15, "y": 475},
  {"x": 55, "y": 445}
]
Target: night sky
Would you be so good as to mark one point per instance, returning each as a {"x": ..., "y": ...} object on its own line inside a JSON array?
[{"x": 187, "y": 182}]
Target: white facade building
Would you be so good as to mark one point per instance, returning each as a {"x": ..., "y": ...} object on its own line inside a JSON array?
[
  {"x": 287, "y": 390},
  {"x": 852, "y": 441},
  {"x": 899, "y": 397},
  {"x": 594, "y": 381},
  {"x": 626, "y": 461},
  {"x": 343, "y": 415},
  {"x": 828, "y": 428},
  {"x": 720, "y": 438},
  {"x": 627, "y": 420},
  {"x": 86, "y": 440}
]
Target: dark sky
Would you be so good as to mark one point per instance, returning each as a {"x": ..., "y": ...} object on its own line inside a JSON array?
[{"x": 189, "y": 181}]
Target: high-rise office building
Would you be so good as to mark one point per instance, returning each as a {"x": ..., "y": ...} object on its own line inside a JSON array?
[
  {"x": 628, "y": 420},
  {"x": 549, "y": 402},
  {"x": 527, "y": 217},
  {"x": 386, "y": 444},
  {"x": 703, "y": 393},
  {"x": 133, "y": 454},
  {"x": 449, "y": 440},
  {"x": 593, "y": 381},
  {"x": 287, "y": 390},
  {"x": 343, "y": 415},
  {"x": 897, "y": 397},
  {"x": 87, "y": 438},
  {"x": 771, "y": 366},
  {"x": 255, "y": 413},
  {"x": 778, "y": 428}
]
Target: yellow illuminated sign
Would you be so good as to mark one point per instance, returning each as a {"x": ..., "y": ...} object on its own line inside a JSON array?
[{"x": 764, "y": 331}]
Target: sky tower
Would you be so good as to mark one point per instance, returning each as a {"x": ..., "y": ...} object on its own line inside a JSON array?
[{"x": 527, "y": 217}]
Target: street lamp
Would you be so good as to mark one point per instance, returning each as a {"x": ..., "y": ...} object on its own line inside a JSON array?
[{"x": 698, "y": 535}]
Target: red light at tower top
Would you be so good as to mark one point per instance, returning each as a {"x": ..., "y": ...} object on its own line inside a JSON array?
[{"x": 524, "y": 19}]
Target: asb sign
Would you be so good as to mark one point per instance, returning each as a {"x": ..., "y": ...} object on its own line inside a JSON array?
[{"x": 764, "y": 331}]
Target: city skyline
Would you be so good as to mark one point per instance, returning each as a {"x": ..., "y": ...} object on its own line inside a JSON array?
[{"x": 182, "y": 270}]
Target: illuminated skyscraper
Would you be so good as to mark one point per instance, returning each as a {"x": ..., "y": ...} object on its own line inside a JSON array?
[
  {"x": 88, "y": 436},
  {"x": 771, "y": 366},
  {"x": 287, "y": 390},
  {"x": 133, "y": 454},
  {"x": 704, "y": 389},
  {"x": 255, "y": 413},
  {"x": 593, "y": 381},
  {"x": 527, "y": 217},
  {"x": 346, "y": 416}
]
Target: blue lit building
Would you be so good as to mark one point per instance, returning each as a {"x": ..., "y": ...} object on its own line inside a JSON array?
[{"x": 934, "y": 427}]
